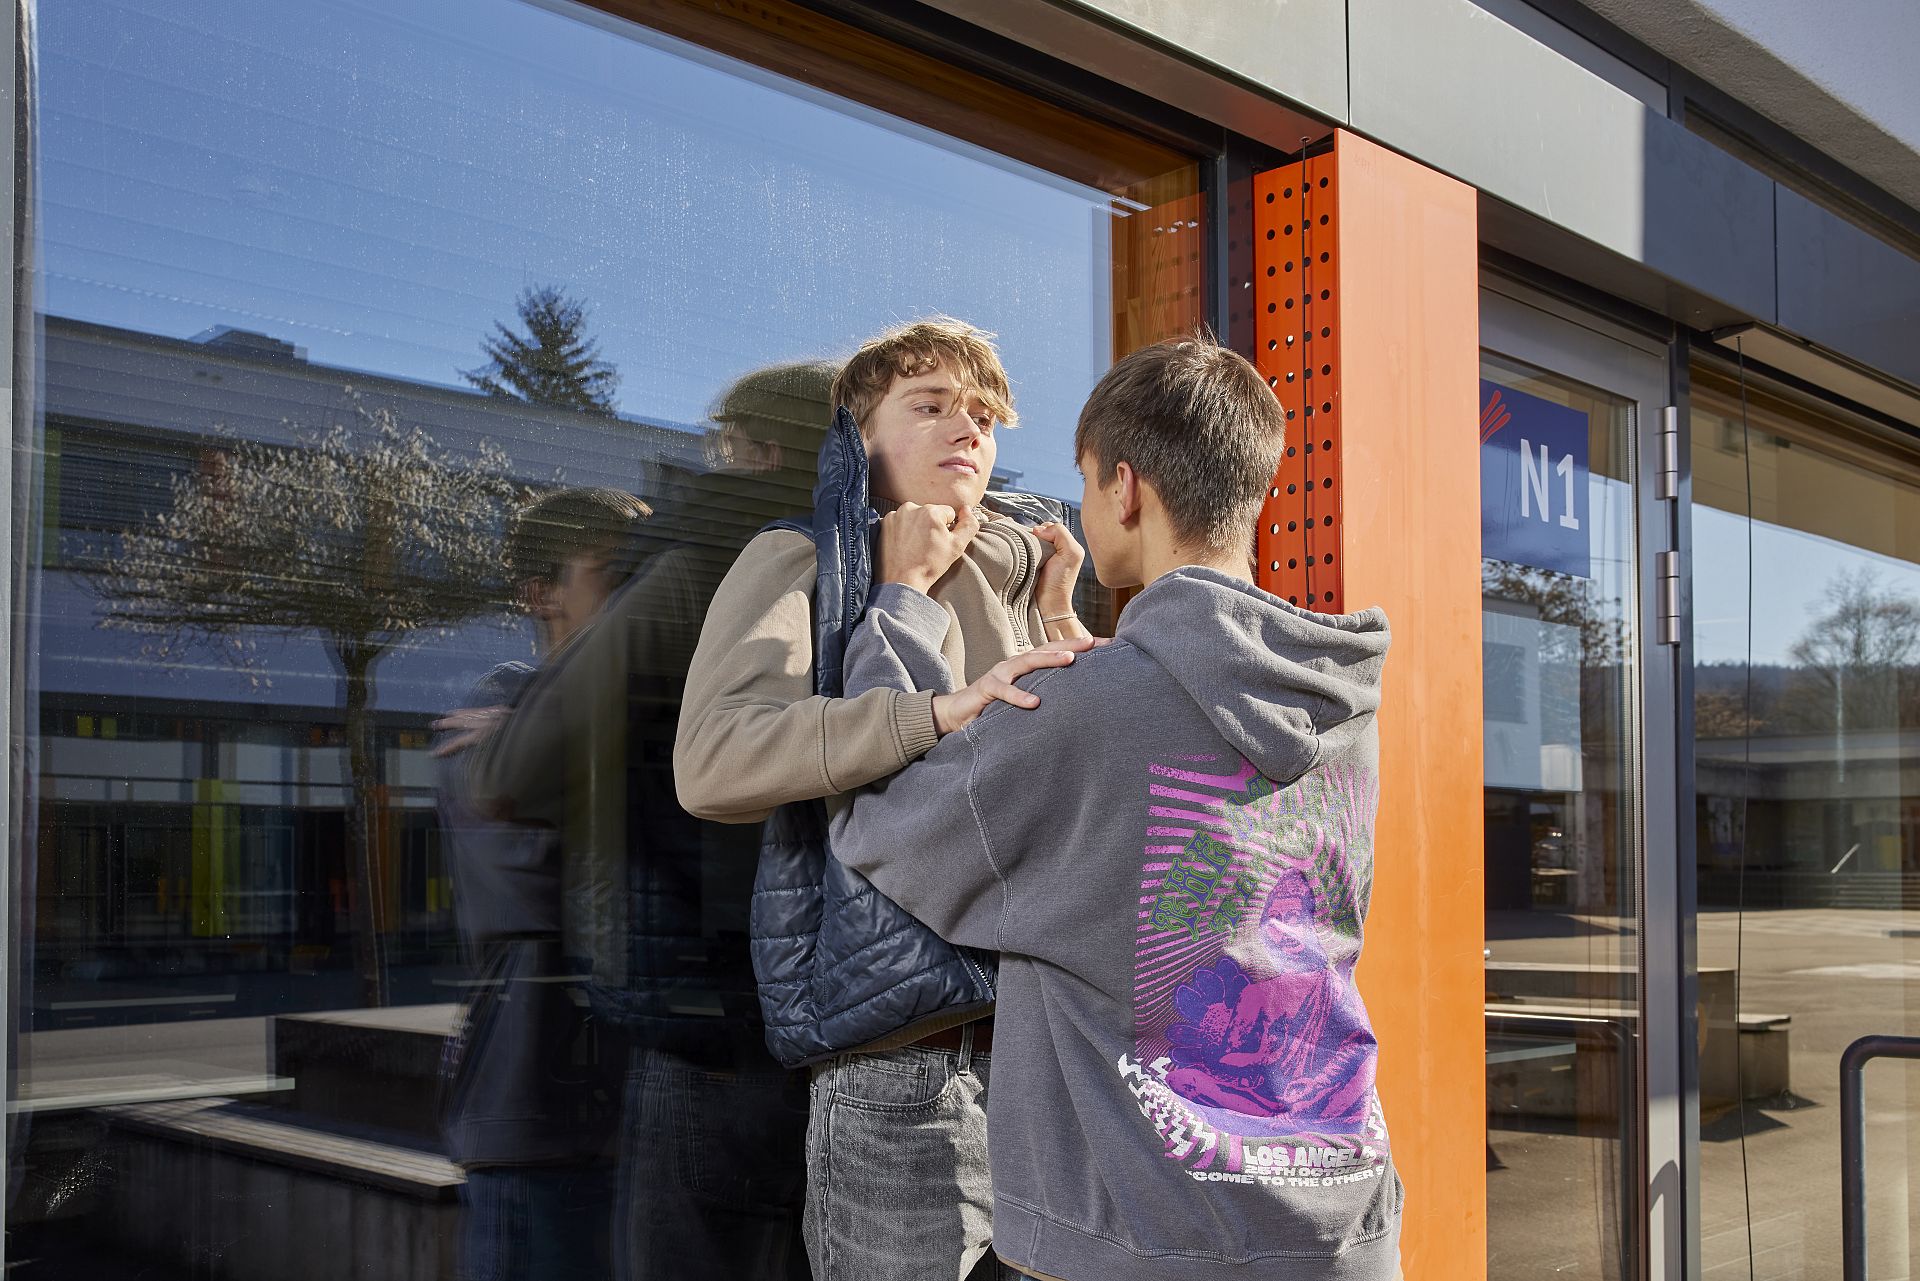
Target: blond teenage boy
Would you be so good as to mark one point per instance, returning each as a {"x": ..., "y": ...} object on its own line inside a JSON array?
[{"x": 897, "y": 1177}]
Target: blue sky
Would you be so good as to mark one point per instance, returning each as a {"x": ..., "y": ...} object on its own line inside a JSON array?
[
  {"x": 376, "y": 183},
  {"x": 1792, "y": 570}
]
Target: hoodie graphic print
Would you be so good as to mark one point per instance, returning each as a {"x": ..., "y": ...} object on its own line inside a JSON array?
[{"x": 1253, "y": 1056}]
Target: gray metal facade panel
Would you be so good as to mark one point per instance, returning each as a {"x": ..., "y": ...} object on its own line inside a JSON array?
[
  {"x": 1847, "y": 290},
  {"x": 1455, "y": 87},
  {"x": 1297, "y": 48},
  {"x": 1162, "y": 63},
  {"x": 10, "y": 32},
  {"x": 13, "y": 707},
  {"x": 1708, "y": 221}
]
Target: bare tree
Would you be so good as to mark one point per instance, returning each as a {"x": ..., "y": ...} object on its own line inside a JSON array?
[
  {"x": 1564, "y": 599},
  {"x": 1854, "y": 655},
  {"x": 363, "y": 535}
]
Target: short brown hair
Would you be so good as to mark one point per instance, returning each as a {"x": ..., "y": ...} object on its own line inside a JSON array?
[
  {"x": 556, "y": 527},
  {"x": 1198, "y": 423},
  {"x": 915, "y": 348}
]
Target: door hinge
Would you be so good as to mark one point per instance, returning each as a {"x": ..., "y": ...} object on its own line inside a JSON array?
[
  {"x": 1667, "y": 585},
  {"x": 1666, "y": 481}
]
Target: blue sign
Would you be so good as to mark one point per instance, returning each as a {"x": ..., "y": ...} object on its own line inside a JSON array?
[{"x": 1533, "y": 482}]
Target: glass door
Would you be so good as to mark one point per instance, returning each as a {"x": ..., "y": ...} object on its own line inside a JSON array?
[
  {"x": 1574, "y": 676},
  {"x": 1806, "y": 714}
]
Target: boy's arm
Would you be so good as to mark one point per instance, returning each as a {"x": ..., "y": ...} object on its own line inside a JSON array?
[
  {"x": 752, "y": 733},
  {"x": 897, "y": 644},
  {"x": 1059, "y": 572},
  {"x": 949, "y": 838},
  {"x": 518, "y": 771}
]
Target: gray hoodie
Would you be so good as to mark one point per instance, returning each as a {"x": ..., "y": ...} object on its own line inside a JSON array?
[{"x": 1174, "y": 853}]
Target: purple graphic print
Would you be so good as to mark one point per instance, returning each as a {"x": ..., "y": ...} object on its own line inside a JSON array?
[
  {"x": 1248, "y": 1026},
  {"x": 1295, "y": 1045}
]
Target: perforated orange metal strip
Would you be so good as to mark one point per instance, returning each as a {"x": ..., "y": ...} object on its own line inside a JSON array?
[{"x": 1297, "y": 347}]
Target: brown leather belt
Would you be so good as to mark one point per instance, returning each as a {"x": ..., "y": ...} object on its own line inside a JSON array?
[{"x": 948, "y": 1038}]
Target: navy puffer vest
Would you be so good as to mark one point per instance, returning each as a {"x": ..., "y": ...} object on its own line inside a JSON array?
[{"x": 840, "y": 965}]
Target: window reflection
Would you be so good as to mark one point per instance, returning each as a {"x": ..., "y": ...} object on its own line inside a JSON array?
[
  {"x": 1804, "y": 718},
  {"x": 331, "y": 298}
]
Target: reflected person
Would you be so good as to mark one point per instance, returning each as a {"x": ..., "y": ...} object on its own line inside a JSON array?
[
  {"x": 529, "y": 1101},
  {"x": 711, "y": 1165}
]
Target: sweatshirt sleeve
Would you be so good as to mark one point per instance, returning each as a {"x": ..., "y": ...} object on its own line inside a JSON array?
[
  {"x": 897, "y": 644},
  {"x": 949, "y": 838},
  {"x": 752, "y": 733},
  {"x": 519, "y": 773}
]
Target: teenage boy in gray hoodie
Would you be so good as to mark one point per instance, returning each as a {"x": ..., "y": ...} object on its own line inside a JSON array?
[{"x": 1170, "y": 841}]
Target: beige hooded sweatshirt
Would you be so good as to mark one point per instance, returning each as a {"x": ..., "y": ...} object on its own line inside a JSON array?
[{"x": 753, "y": 735}]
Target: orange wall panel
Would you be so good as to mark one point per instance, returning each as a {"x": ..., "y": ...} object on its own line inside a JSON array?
[
  {"x": 1409, "y": 322},
  {"x": 1366, "y": 326}
]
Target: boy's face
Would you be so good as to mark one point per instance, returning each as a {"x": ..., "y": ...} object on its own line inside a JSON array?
[
  {"x": 567, "y": 604},
  {"x": 1111, "y": 544},
  {"x": 928, "y": 442}
]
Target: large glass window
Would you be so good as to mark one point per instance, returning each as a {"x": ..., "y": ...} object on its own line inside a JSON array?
[
  {"x": 1806, "y": 535},
  {"x": 323, "y": 292}
]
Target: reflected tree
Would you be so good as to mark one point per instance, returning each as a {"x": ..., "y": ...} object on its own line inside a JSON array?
[
  {"x": 1854, "y": 656},
  {"x": 1560, "y": 598},
  {"x": 554, "y": 363},
  {"x": 364, "y": 535}
]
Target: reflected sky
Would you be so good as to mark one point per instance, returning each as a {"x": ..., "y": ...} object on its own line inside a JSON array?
[
  {"x": 376, "y": 183},
  {"x": 1793, "y": 572}
]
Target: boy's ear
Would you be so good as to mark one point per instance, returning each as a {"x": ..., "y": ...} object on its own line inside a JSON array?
[
  {"x": 1127, "y": 493},
  {"x": 536, "y": 597}
]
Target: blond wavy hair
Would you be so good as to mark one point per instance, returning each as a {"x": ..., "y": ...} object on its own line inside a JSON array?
[{"x": 917, "y": 347}]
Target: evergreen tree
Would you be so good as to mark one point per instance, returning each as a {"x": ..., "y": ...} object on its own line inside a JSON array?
[{"x": 554, "y": 363}]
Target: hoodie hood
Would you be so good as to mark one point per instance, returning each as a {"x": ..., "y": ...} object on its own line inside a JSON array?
[{"x": 1286, "y": 687}]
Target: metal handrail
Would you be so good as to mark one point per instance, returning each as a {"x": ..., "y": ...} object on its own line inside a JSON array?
[{"x": 1853, "y": 1142}]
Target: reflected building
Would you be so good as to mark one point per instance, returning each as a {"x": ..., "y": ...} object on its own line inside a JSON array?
[{"x": 192, "y": 852}]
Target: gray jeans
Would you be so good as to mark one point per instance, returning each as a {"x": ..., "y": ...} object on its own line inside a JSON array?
[{"x": 897, "y": 1182}]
